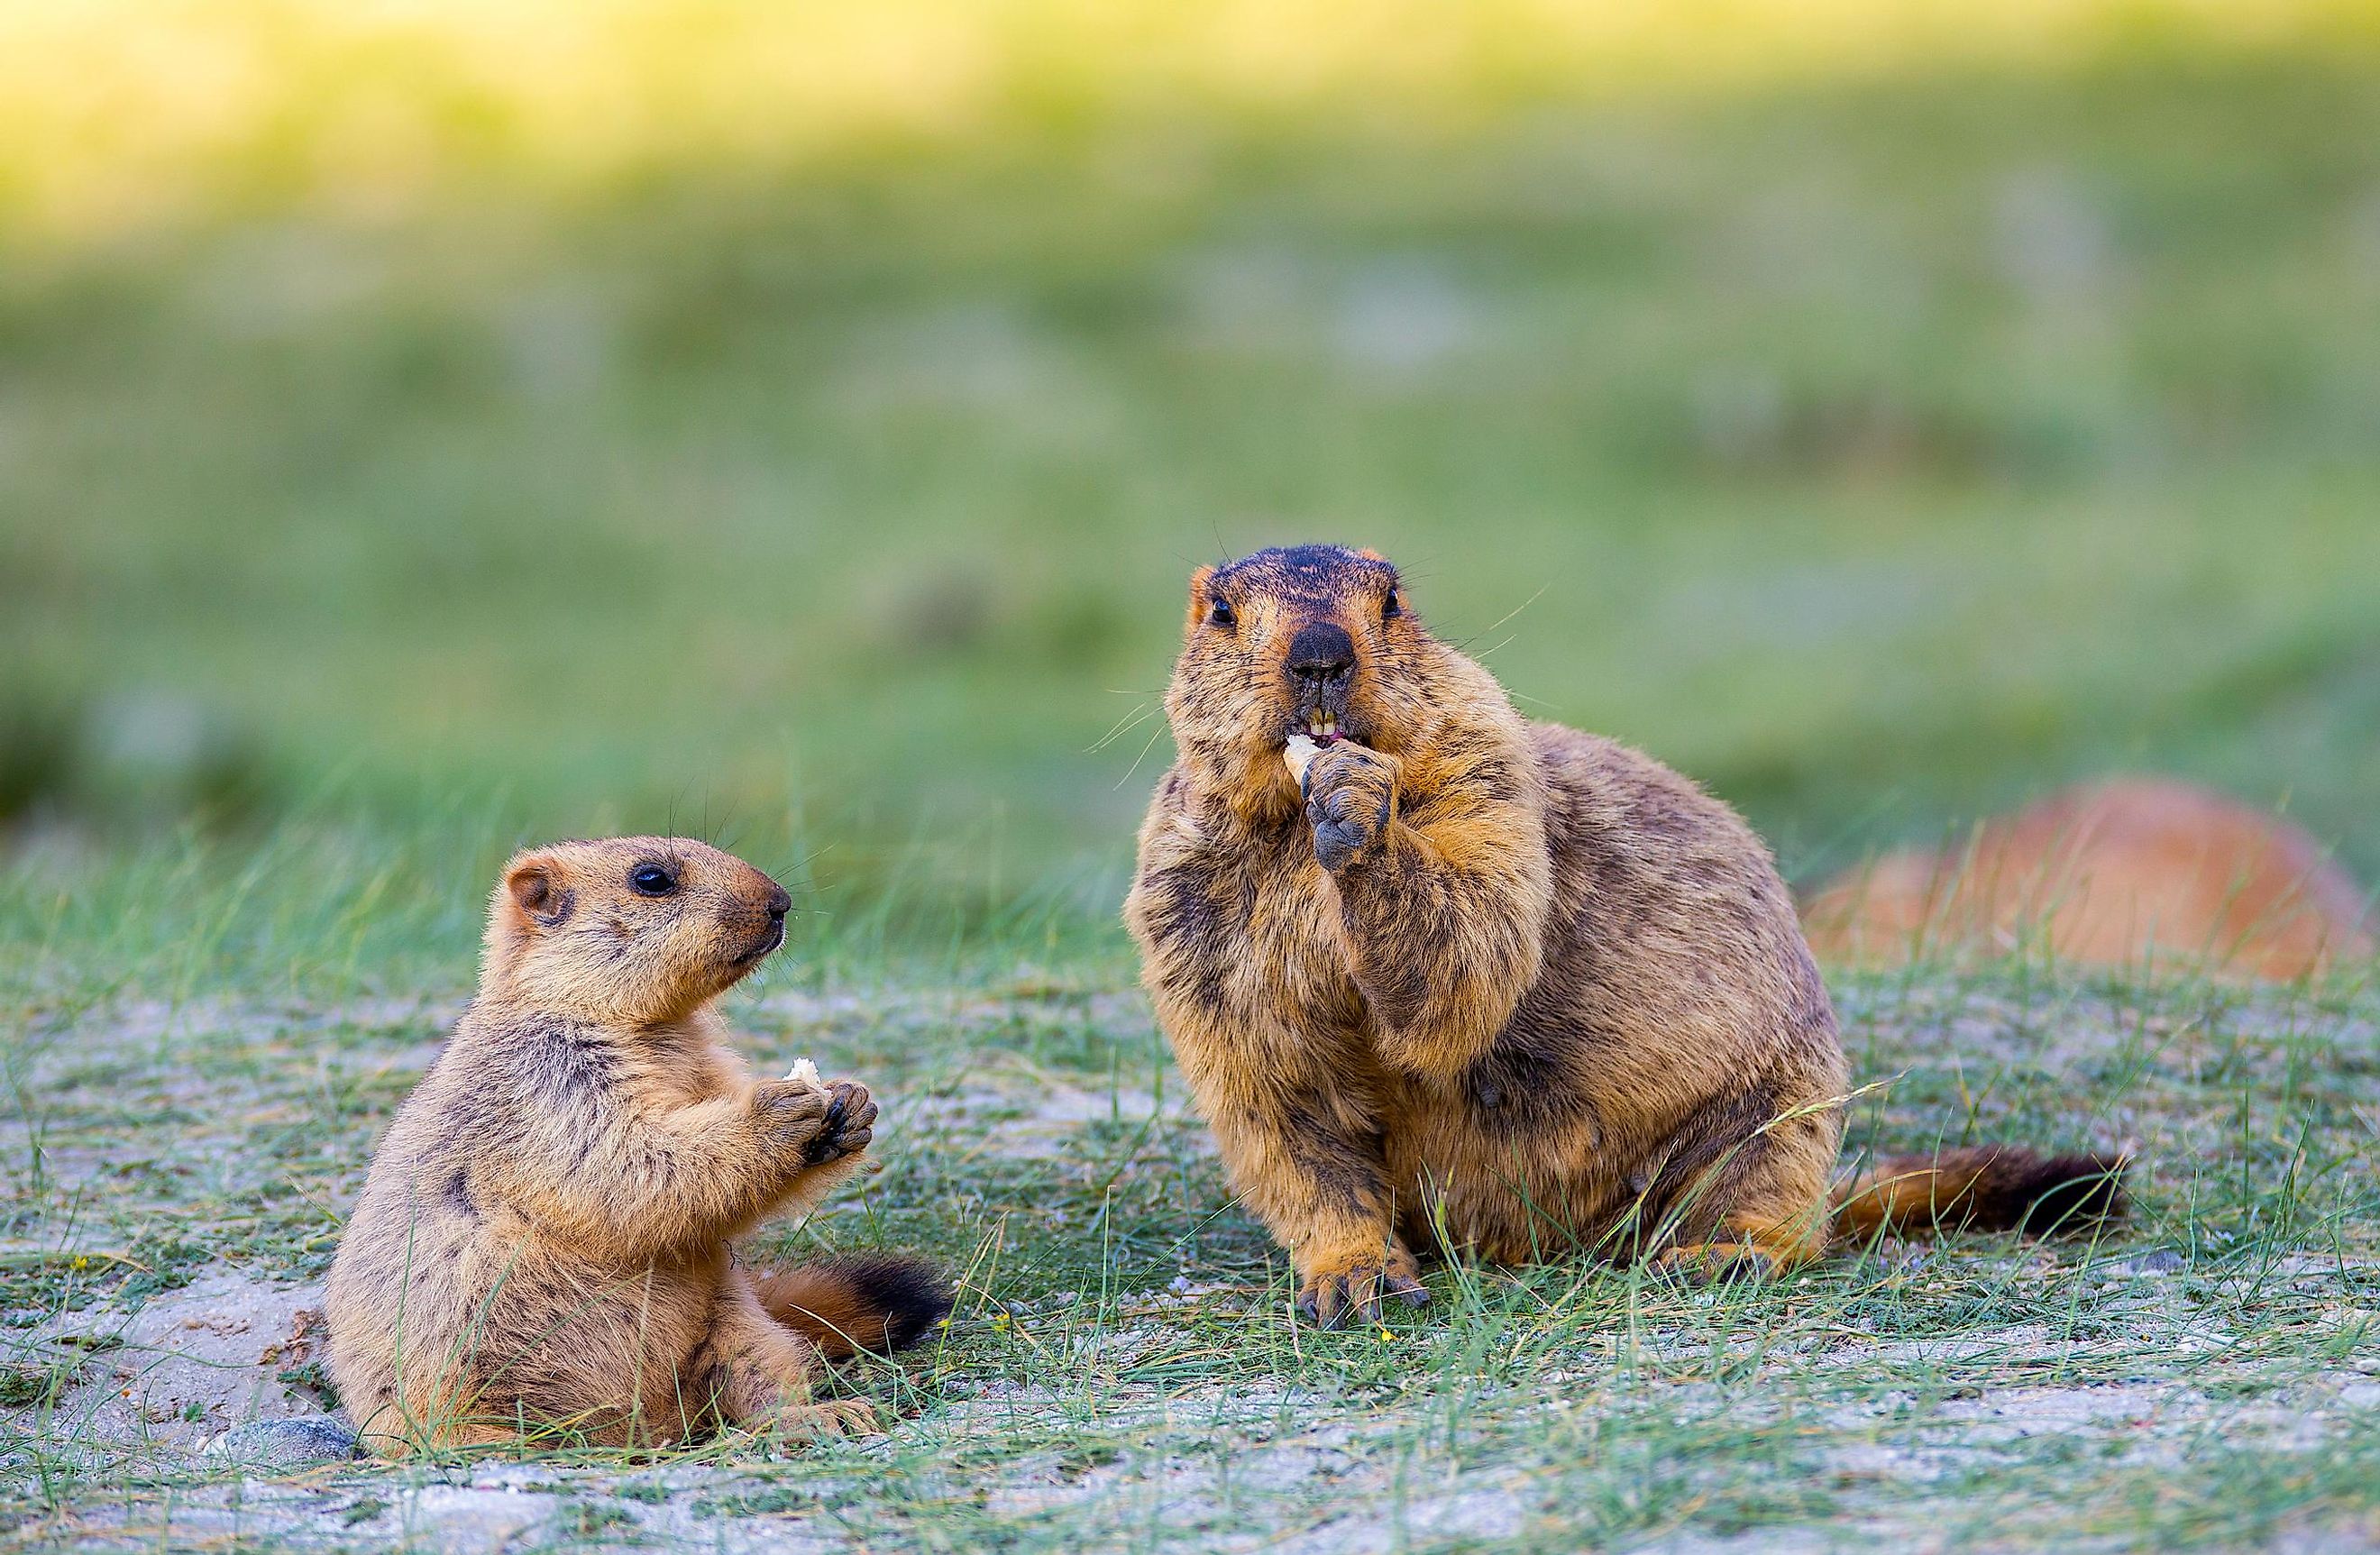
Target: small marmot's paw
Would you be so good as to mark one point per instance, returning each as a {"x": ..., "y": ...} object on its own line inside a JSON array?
[
  {"x": 1350, "y": 794},
  {"x": 1335, "y": 1297},
  {"x": 1717, "y": 1263},
  {"x": 850, "y": 1124},
  {"x": 791, "y": 1115},
  {"x": 814, "y": 1422}
]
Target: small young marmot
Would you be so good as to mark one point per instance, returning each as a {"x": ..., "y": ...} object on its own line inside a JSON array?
[
  {"x": 1441, "y": 976},
  {"x": 541, "y": 1248}
]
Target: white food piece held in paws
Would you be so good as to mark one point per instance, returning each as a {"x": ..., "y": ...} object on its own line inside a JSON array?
[
  {"x": 1298, "y": 755},
  {"x": 806, "y": 1072}
]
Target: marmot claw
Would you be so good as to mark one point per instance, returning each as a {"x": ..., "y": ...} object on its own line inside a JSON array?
[{"x": 1331, "y": 1300}]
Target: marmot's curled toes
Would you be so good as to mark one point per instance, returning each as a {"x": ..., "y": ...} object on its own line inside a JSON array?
[
  {"x": 1351, "y": 796},
  {"x": 849, "y": 1125},
  {"x": 793, "y": 1113}
]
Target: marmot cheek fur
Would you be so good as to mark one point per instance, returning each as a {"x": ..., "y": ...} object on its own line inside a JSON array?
[
  {"x": 541, "y": 1248},
  {"x": 1488, "y": 983}
]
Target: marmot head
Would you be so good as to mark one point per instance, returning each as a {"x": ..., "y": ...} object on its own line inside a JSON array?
[
  {"x": 632, "y": 930},
  {"x": 1307, "y": 639}
]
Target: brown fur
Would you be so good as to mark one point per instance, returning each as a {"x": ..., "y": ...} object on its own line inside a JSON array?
[
  {"x": 1547, "y": 995},
  {"x": 2107, "y": 875},
  {"x": 541, "y": 1245}
]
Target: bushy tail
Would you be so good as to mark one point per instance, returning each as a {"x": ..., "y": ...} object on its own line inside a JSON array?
[
  {"x": 1986, "y": 1188},
  {"x": 850, "y": 1305}
]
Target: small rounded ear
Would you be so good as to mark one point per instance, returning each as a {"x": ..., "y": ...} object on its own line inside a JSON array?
[
  {"x": 534, "y": 892},
  {"x": 1199, "y": 581}
]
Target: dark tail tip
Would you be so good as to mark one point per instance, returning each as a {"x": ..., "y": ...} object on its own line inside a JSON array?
[
  {"x": 2053, "y": 1195},
  {"x": 875, "y": 1302},
  {"x": 1986, "y": 1188},
  {"x": 910, "y": 1293}
]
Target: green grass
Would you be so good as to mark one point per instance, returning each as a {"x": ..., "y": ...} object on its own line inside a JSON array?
[
  {"x": 1873, "y": 451},
  {"x": 1122, "y": 1374}
]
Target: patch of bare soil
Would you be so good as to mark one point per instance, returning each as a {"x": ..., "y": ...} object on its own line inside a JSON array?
[
  {"x": 177, "y": 1371},
  {"x": 1081, "y": 1432}
]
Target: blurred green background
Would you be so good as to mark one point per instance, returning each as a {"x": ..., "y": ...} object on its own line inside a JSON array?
[{"x": 430, "y": 428}]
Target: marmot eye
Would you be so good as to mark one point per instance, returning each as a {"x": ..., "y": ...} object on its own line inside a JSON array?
[
  {"x": 652, "y": 879},
  {"x": 1220, "y": 613},
  {"x": 1392, "y": 607}
]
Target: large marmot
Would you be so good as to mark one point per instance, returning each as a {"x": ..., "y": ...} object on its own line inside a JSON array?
[
  {"x": 1484, "y": 983},
  {"x": 541, "y": 1248}
]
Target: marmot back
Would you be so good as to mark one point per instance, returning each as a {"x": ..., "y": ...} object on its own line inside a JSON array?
[
  {"x": 541, "y": 1245},
  {"x": 2107, "y": 875}
]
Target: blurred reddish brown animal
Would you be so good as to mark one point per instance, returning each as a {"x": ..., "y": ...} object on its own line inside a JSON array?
[{"x": 2107, "y": 874}]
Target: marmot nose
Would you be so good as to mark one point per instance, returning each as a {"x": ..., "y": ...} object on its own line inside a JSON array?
[
  {"x": 780, "y": 903},
  {"x": 1321, "y": 653}
]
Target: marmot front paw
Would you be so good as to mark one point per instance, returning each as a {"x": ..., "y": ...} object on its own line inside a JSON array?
[
  {"x": 849, "y": 1125},
  {"x": 818, "y": 1123},
  {"x": 1331, "y": 1297},
  {"x": 791, "y": 1115},
  {"x": 1351, "y": 796}
]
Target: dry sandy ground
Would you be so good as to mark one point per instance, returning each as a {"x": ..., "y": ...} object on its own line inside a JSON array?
[
  {"x": 214, "y": 1350},
  {"x": 174, "y": 1402}
]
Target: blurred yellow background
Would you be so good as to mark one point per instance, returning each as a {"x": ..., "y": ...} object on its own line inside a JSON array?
[
  {"x": 114, "y": 112},
  {"x": 797, "y": 422}
]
